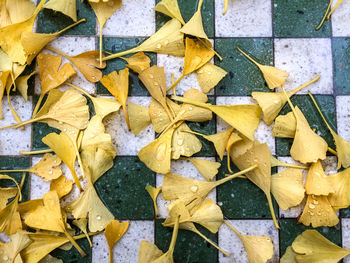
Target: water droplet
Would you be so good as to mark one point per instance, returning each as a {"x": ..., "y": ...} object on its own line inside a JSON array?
[
  {"x": 5, "y": 258},
  {"x": 276, "y": 101},
  {"x": 313, "y": 196},
  {"x": 232, "y": 195},
  {"x": 319, "y": 213},
  {"x": 311, "y": 206},
  {"x": 98, "y": 217},
  {"x": 220, "y": 203},
  {"x": 190, "y": 108},
  {"x": 180, "y": 141},
  {"x": 155, "y": 83},
  {"x": 64, "y": 129},
  {"x": 209, "y": 72},
  {"x": 194, "y": 188},
  {"x": 255, "y": 159},
  {"x": 311, "y": 213},
  {"x": 161, "y": 151},
  {"x": 150, "y": 76},
  {"x": 60, "y": 122},
  {"x": 50, "y": 172},
  {"x": 317, "y": 173},
  {"x": 200, "y": 71},
  {"x": 318, "y": 187},
  {"x": 166, "y": 42},
  {"x": 158, "y": 46},
  {"x": 315, "y": 202},
  {"x": 93, "y": 77},
  {"x": 315, "y": 161}
]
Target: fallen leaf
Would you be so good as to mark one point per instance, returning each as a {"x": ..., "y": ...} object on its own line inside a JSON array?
[
  {"x": 209, "y": 75},
  {"x": 285, "y": 126},
  {"x": 47, "y": 168},
  {"x": 153, "y": 193},
  {"x": 10, "y": 251},
  {"x": 208, "y": 169},
  {"x": 316, "y": 181},
  {"x": 6, "y": 194},
  {"x": 66, "y": 7},
  {"x": 170, "y": 8},
  {"x": 82, "y": 225},
  {"x": 194, "y": 26},
  {"x": 22, "y": 84},
  {"x": 148, "y": 252},
  {"x": 184, "y": 143},
  {"x": 138, "y": 62},
  {"x": 340, "y": 182},
  {"x": 62, "y": 186},
  {"x": 114, "y": 232},
  {"x": 139, "y": 117},
  {"x": 311, "y": 246}
]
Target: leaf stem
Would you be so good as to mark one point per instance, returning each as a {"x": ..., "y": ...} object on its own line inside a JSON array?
[
  {"x": 320, "y": 112},
  {"x": 176, "y": 82},
  {"x": 333, "y": 9},
  {"x": 233, "y": 228},
  {"x": 36, "y": 109},
  {"x": 272, "y": 211},
  {"x": 75, "y": 244},
  {"x": 211, "y": 242},
  {"x": 120, "y": 54},
  {"x": 235, "y": 175},
  {"x": 248, "y": 57},
  {"x": 101, "y": 39},
  {"x": 174, "y": 236},
  {"x": 36, "y": 152},
  {"x": 291, "y": 93},
  {"x": 324, "y": 16}
]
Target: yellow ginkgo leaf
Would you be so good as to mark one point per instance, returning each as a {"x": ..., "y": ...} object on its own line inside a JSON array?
[
  {"x": 22, "y": 85},
  {"x": 114, "y": 231},
  {"x": 49, "y": 217},
  {"x": 285, "y": 126},
  {"x": 167, "y": 40},
  {"x": 219, "y": 140},
  {"x": 19, "y": 10},
  {"x": 234, "y": 137},
  {"x": 259, "y": 249},
  {"x": 153, "y": 193},
  {"x": 138, "y": 62},
  {"x": 3, "y": 80},
  {"x": 33, "y": 43},
  {"x": 192, "y": 192},
  {"x": 209, "y": 75},
  {"x": 63, "y": 146},
  {"x": 62, "y": 186},
  {"x": 287, "y": 188},
  {"x": 196, "y": 55},
  {"x": 342, "y": 146},
  {"x": 148, "y": 252},
  {"x": 244, "y": 118},
  {"x": 118, "y": 85},
  {"x": 275, "y": 162},
  {"x": 47, "y": 168},
  {"x": 225, "y": 7},
  {"x": 157, "y": 154},
  {"x": 159, "y": 117},
  {"x": 67, "y": 7},
  {"x": 154, "y": 80},
  {"x": 341, "y": 184},
  {"x": 103, "y": 11},
  {"x": 212, "y": 219},
  {"x": 10, "y": 36},
  {"x": 194, "y": 26},
  {"x": 208, "y": 169},
  {"x": 43, "y": 243},
  {"x": 86, "y": 62},
  {"x": 318, "y": 212},
  {"x": 5, "y": 19},
  {"x": 82, "y": 225},
  {"x": 259, "y": 155},
  {"x": 139, "y": 117},
  {"x": 311, "y": 246},
  {"x": 274, "y": 77},
  {"x": 10, "y": 220},
  {"x": 6, "y": 194},
  {"x": 51, "y": 75},
  {"x": 10, "y": 251},
  {"x": 184, "y": 143},
  {"x": 170, "y": 8},
  {"x": 271, "y": 103},
  {"x": 90, "y": 204},
  {"x": 316, "y": 181},
  {"x": 289, "y": 256}
]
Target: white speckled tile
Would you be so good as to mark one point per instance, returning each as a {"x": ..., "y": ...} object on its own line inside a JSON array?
[
  {"x": 230, "y": 242},
  {"x": 263, "y": 132},
  {"x": 346, "y": 236},
  {"x": 127, "y": 249},
  {"x": 303, "y": 59},
  {"x": 15, "y": 140},
  {"x": 343, "y": 116},
  {"x": 138, "y": 20},
  {"x": 124, "y": 141},
  {"x": 340, "y": 19},
  {"x": 244, "y": 18}
]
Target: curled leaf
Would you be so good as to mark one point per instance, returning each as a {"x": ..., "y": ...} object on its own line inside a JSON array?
[
  {"x": 67, "y": 7},
  {"x": 194, "y": 26},
  {"x": 62, "y": 186},
  {"x": 138, "y": 62},
  {"x": 170, "y": 8},
  {"x": 22, "y": 85}
]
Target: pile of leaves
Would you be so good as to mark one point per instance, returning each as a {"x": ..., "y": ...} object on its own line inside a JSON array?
[{"x": 37, "y": 227}]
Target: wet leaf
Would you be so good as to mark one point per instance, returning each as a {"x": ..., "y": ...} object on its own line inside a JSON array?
[
  {"x": 289, "y": 256},
  {"x": 208, "y": 169},
  {"x": 318, "y": 212},
  {"x": 114, "y": 231},
  {"x": 167, "y": 40},
  {"x": 66, "y": 7},
  {"x": 232, "y": 140},
  {"x": 153, "y": 193},
  {"x": 22, "y": 84},
  {"x": 148, "y": 252},
  {"x": 287, "y": 188},
  {"x": 6, "y": 194},
  {"x": 47, "y": 168},
  {"x": 316, "y": 181},
  {"x": 10, "y": 251},
  {"x": 62, "y": 186},
  {"x": 209, "y": 75},
  {"x": 274, "y": 77},
  {"x": 311, "y": 246},
  {"x": 118, "y": 85},
  {"x": 159, "y": 117},
  {"x": 340, "y": 182},
  {"x": 139, "y": 117},
  {"x": 285, "y": 126},
  {"x": 82, "y": 225},
  {"x": 194, "y": 26},
  {"x": 244, "y": 118},
  {"x": 170, "y": 8}
]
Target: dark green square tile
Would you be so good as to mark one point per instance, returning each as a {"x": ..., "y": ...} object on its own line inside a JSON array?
[
  {"x": 310, "y": 112},
  {"x": 122, "y": 189},
  {"x": 51, "y": 22},
  {"x": 188, "y": 8},
  {"x": 290, "y": 230},
  {"x": 243, "y": 76},
  {"x": 114, "y": 45},
  {"x": 341, "y": 58},
  {"x": 15, "y": 163},
  {"x": 293, "y": 18},
  {"x": 206, "y": 128},
  {"x": 241, "y": 198},
  {"x": 40, "y": 130},
  {"x": 189, "y": 247},
  {"x": 72, "y": 255},
  {"x": 345, "y": 213}
]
